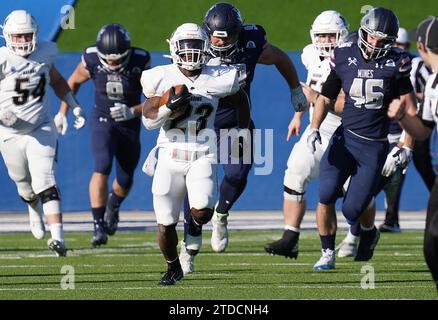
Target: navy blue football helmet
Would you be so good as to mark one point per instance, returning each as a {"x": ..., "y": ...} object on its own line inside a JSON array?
[
  {"x": 223, "y": 20},
  {"x": 380, "y": 23},
  {"x": 113, "y": 46}
]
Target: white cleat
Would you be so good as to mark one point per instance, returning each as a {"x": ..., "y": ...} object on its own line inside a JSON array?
[
  {"x": 186, "y": 260},
  {"x": 347, "y": 249},
  {"x": 219, "y": 235},
  {"x": 36, "y": 223},
  {"x": 327, "y": 260}
]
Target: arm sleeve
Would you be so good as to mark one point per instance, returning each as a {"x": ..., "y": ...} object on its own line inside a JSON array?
[
  {"x": 404, "y": 83},
  {"x": 332, "y": 86}
]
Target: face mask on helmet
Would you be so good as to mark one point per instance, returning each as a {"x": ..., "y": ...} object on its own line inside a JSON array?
[
  {"x": 223, "y": 21},
  {"x": 113, "y": 47},
  {"x": 20, "y": 32},
  {"x": 225, "y": 51},
  {"x": 189, "y": 47},
  {"x": 377, "y": 33},
  {"x": 331, "y": 26}
]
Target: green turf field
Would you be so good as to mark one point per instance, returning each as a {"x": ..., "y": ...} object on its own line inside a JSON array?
[
  {"x": 287, "y": 22},
  {"x": 130, "y": 266}
]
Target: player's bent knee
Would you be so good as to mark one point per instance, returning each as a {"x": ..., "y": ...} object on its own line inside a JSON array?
[
  {"x": 51, "y": 201},
  {"x": 290, "y": 194},
  {"x": 202, "y": 216}
]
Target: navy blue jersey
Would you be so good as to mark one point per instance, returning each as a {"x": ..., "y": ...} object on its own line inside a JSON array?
[
  {"x": 250, "y": 45},
  {"x": 369, "y": 87},
  {"x": 121, "y": 86}
]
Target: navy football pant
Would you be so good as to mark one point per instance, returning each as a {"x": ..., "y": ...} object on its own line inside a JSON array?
[
  {"x": 116, "y": 140},
  {"x": 233, "y": 183},
  {"x": 431, "y": 233},
  {"x": 363, "y": 160}
]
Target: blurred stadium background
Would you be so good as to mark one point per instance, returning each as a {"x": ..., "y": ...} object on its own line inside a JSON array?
[{"x": 150, "y": 23}]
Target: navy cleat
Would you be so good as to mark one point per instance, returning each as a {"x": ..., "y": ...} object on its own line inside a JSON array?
[
  {"x": 99, "y": 237},
  {"x": 111, "y": 221},
  {"x": 367, "y": 244},
  {"x": 390, "y": 227},
  {"x": 282, "y": 247},
  {"x": 171, "y": 276}
]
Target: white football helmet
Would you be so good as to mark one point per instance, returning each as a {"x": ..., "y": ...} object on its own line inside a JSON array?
[
  {"x": 20, "y": 22},
  {"x": 189, "y": 46},
  {"x": 328, "y": 22}
]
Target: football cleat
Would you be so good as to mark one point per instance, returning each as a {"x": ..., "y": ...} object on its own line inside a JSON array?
[
  {"x": 347, "y": 249},
  {"x": 367, "y": 244},
  {"x": 111, "y": 221},
  {"x": 186, "y": 260},
  {"x": 171, "y": 276},
  {"x": 282, "y": 248},
  {"x": 327, "y": 260},
  {"x": 390, "y": 227},
  {"x": 36, "y": 223},
  {"x": 99, "y": 237},
  {"x": 57, "y": 247},
  {"x": 219, "y": 234}
]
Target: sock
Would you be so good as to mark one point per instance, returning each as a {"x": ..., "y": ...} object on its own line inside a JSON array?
[
  {"x": 175, "y": 264},
  {"x": 328, "y": 242},
  {"x": 286, "y": 227},
  {"x": 351, "y": 238},
  {"x": 56, "y": 231},
  {"x": 229, "y": 193},
  {"x": 367, "y": 229},
  {"x": 355, "y": 229},
  {"x": 98, "y": 214},
  {"x": 194, "y": 229},
  {"x": 114, "y": 201}
]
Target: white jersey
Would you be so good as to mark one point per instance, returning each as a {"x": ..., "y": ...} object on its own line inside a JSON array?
[
  {"x": 23, "y": 87},
  {"x": 430, "y": 106},
  {"x": 213, "y": 83},
  {"x": 317, "y": 73}
]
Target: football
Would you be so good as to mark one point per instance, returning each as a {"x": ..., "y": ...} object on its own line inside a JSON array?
[{"x": 165, "y": 98}]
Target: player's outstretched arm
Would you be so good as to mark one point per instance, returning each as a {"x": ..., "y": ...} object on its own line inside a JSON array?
[
  {"x": 279, "y": 58},
  {"x": 65, "y": 90},
  {"x": 404, "y": 110}
]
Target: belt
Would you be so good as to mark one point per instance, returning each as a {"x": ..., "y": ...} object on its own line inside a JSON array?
[{"x": 185, "y": 155}]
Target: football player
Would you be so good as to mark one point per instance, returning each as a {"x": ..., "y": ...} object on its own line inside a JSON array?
[
  {"x": 427, "y": 37},
  {"x": 242, "y": 45},
  {"x": 186, "y": 163},
  {"x": 28, "y": 137},
  {"x": 371, "y": 73},
  {"x": 115, "y": 68},
  {"x": 329, "y": 29}
]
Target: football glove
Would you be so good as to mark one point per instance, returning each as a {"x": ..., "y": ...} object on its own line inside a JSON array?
[
  {"x": 79, "y": 118},
  {"x": 177, "y": 100},
  {"x": 299, "y": 99},
  {"x": 121, "y": 112},
  {"x": 312, "y": 138},
  {"x": 61, "y": 123},
  {"x": 397, "y": 158}
]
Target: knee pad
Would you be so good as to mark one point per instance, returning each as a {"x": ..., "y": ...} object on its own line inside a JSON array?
[
  {"x": 28, "y": 201},
  {"x": 125, "y": 181},
  {"x": 202, "y": 216},
  {"x": 50, "y": 194},
  {"x": 51, "y": 201},
  {"x": 293, "y": 195}
]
